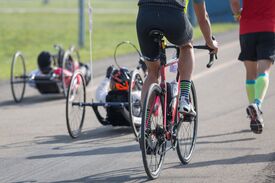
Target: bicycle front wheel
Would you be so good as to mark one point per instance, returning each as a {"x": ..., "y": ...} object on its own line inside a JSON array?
[
  {"x": 187, "y": 131},
  {"x": 75, "y": 110},
  {"x": 18, "y": 77},
  {"x": 152, "y": 140}
]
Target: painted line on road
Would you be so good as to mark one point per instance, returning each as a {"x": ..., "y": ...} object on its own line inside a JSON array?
[
  {"x": 218, "y": 67},
  {"x": 215, "y": 69}
]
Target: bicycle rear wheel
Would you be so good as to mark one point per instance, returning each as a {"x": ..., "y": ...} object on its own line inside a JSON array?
[
  {"x": 18, "y": 77},
  {"x": 75, "y": 111},
  {"x": 187, "y": 131},
  {"x": 152, "y": 140},
  {"x": 135, "y": 87}
]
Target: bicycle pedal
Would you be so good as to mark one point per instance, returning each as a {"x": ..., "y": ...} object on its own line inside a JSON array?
[
  {"x": 188, "y": 118},
  {"x": 168, "y": 135}
]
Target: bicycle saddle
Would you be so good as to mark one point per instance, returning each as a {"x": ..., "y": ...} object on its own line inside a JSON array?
[{"x": 156, "y": 34}]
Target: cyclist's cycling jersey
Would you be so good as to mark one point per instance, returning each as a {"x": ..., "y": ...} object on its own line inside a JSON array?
[
  {"x": 172, "y": 3},
  {"x": 257, "y": 16}
]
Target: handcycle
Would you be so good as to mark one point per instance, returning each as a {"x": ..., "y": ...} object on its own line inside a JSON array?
[
  {"x": 54, "y": 82},
  {"x": 161, "y": 121},
  {"x": 127, "y": 106}
]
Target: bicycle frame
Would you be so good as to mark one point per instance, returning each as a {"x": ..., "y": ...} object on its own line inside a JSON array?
[{"x": 163, "y": 83}]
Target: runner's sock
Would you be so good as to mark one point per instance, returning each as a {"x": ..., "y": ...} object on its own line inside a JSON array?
[
  {"x": 261, "y": 86},
  {"x": 250, "y": 90}
]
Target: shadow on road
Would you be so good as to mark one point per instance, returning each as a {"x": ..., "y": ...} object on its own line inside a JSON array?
[
  {"x": 200, "y": 138},
  {"x": 97, "y": 151},
  {"x": 29, "y": 100},
  {"x": 135, "y": 174},
  {"x": 103, "y": 136},
  {"x": 247, "y": 159},
  {"x": 90, "y": 138},
  {"x": 97, "y": 136}
]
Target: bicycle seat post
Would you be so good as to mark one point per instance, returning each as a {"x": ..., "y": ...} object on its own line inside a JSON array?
[{"x": 158, "y": 38}]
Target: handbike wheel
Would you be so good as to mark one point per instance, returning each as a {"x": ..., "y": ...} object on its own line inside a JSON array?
[
  {"x": 75, "y": 111},
  {"x": 152, "y": 140},
  {"x": 18, "y": 77},
  {"x": 187, "y": 132},
  {"x": 135, "y": 87},
  {"x": 67, "y": 71},
  {"x": 75, "y": 55}
]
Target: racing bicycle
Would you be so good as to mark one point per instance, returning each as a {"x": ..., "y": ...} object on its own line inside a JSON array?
[{"x": 163, "y": 127}]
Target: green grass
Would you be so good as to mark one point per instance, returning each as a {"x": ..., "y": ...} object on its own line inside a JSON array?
[{"x": 31, "y": 31}]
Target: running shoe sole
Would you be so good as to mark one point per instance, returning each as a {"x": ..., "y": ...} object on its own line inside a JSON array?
[{"x": 255, "y": 125}]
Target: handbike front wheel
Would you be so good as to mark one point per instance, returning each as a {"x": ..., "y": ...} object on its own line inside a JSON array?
[
  {"x": 68, "y": 69},
  {"x": 135, "y": 87},
  {"x": 152, "y": 139},
  {"x": 18, "y": 77},
  {"x": 187, "y": 131},
  {"x": 75, "y": 111}
]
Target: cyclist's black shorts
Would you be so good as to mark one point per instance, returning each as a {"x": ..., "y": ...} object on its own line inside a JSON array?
[
  {"x": 173, "y": 22},
  {"x": 257, "y": 46}
]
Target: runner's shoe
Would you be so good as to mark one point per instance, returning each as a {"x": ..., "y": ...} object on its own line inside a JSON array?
[
  {"x": 186, "y": 107},
  {"x": 255, "y": 115}
]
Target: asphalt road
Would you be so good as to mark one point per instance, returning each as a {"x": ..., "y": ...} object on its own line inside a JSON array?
[{"x": 35, "y": 145}]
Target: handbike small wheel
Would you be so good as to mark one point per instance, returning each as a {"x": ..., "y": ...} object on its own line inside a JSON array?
[
  {"x": 135, "y": 87},
  {"x": 187, "y": 131},
  {"x": 67, "y": 71},
  {"x": 75, "y": 110},
  {"x": 18, "y": 77},
  {"x": 152, "y": 139}
]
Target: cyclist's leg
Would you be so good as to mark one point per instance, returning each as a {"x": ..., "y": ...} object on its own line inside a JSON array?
[
  {"x": 186, "y": 65},
  {"x": 179, "y": 32},
  {"x": 152, "y": 77},
  {"x": 186, "y": 62},
  {"x": 146, "y": 19}
]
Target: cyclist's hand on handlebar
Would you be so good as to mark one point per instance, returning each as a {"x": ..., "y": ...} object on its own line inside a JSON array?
[{"x": 213, "y": 44}]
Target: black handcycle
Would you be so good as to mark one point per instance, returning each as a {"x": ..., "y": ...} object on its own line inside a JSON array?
[{"x": 125, "y": 107}]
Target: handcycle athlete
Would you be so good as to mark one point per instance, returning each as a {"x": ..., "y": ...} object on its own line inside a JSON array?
[
  {"x": 53, "y": 75},
  {"x": 157, "y": 18}
]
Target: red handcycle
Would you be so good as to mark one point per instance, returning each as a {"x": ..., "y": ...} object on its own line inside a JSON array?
[{"x": 56, "y": 81}]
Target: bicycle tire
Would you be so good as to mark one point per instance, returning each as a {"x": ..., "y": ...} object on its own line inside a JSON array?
[
  {"x": 186, "y": 145},
  {"x": 18, "y": 77},
  {"x": 152, "y": 141},
  {"x": 75, "y": 114},
  {"x": 134, "y": 97}
]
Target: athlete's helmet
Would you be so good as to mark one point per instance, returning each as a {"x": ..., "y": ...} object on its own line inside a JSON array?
[
  {"x": 120, "y": 79},
  {"x": 44, "y": 61}
]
